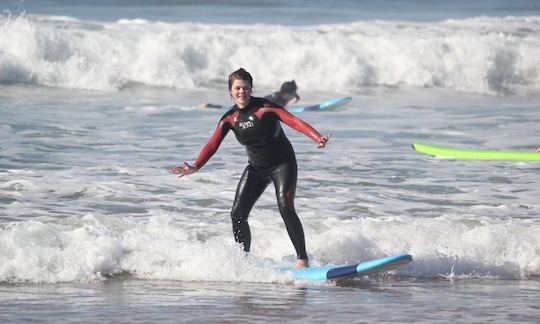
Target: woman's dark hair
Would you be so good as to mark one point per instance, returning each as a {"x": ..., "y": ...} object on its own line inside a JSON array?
[{"x": 240, "y": 74}]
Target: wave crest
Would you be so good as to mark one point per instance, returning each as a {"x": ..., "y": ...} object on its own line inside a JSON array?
[{"x": 479, "y": 55}]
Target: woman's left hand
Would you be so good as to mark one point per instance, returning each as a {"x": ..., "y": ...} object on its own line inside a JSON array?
[
  {"x": 184, "y": 170},
  {"x": 323, "y": 140}
]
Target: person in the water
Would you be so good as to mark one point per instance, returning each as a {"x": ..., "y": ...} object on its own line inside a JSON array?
[
  {"x": 287, "y": 94},
  {"x": 271, "y": 158}
]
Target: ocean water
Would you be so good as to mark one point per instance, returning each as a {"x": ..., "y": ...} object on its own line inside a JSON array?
[{"x": 99, "y": 99}]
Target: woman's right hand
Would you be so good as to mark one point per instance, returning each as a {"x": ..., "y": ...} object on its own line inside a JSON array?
[{"x": 184, "y": 170}]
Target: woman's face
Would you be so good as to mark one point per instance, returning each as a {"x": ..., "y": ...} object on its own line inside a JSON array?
[{"x": 241, "y": 92}]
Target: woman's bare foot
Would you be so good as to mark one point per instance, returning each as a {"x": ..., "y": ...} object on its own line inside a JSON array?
[{"x": 302, "y": 263}]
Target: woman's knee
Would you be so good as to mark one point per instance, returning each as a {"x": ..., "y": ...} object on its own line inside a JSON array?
[
  {"x": 238, "y": 215},
  {"x": 285, "y": 201}
]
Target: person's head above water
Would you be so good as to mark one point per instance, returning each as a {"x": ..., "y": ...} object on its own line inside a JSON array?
[
  {"x": 289, "y": 87},
  {"x": 240, "y": 87},
  {"x": 288, "y": 90}
]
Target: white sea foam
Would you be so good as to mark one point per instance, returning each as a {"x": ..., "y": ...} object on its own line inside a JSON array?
[
  {"x": 92, "y": 248},
  {"x": 480, "y": 55}
]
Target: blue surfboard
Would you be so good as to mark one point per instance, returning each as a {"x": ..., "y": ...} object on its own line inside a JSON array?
[
  {"x": 326, "y": 105},
  {"x": 338, "y": 272}
]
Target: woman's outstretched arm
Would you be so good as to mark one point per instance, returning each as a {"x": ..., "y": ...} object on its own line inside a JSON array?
[
  {"x": 206, "y": 153},
  {"x": 301, "y": 126}
]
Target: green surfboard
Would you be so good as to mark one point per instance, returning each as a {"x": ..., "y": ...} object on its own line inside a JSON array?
[{"x": 445, "y": 152}]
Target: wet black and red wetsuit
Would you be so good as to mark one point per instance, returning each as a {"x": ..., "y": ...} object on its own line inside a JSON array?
[{"x": 271, "y": 158}]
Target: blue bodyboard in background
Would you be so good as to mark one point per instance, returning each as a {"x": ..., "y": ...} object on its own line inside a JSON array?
[{"x": 326, "y": 105}]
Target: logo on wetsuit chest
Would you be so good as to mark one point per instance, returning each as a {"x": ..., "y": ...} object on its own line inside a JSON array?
[{"x": 246, "y": 124}]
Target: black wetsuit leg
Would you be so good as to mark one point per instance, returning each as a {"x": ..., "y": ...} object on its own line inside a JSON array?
[
  {"x": 251, "y": 186},
  {"x": 284, "y": 177}
]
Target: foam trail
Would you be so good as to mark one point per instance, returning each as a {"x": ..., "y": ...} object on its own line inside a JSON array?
[{"x": 479, "y": 55}]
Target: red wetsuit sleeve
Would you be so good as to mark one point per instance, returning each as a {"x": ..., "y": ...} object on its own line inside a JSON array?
[
  {"x": 297, "y": 124},
  {"x": 213, "y": 144}
]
